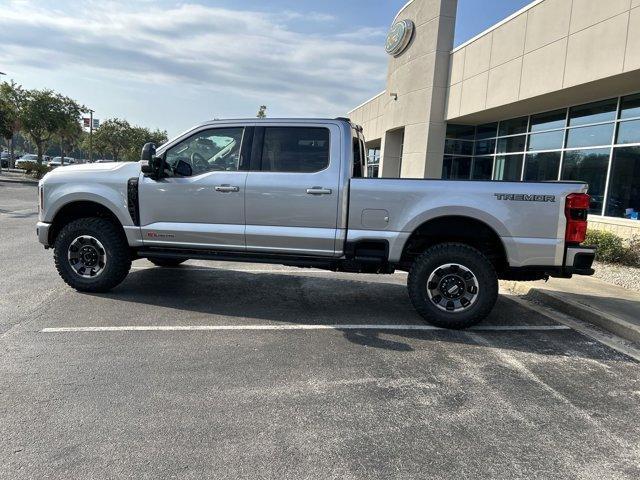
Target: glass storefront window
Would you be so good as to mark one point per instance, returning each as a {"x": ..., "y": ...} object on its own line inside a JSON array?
[
  {"x": 482, "y": 168},
  {"x": 485, "y": 147},
  {"x": 513, "y": 126},
  {"x": 540, "y": 167},
  {"x": 373, "y": 162},
  {"x": 508, "y": 168},
  {"x": 593, "y": 136},
  {"x": 512, "y": 144},
  {"x": 588, "y": 166},
  {"x": 546, "y": 141},
  {"x": 573, "y": 143},
  {"x": 629, "y": 132},
  {"x": 461, "y": 132},
  {"x": 488, "y": 130},
  {"x": 456, "y": 168},
  {"x": 596, "y": 112},
  {"x": 630, "y": 106},
  {"x": 458, "y": 147},
  {"x": 548, "y": 120},
  {"x": 624, "y": 186}
]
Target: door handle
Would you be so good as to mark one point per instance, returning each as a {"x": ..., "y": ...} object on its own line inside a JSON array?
[
  {"x": 226, "y": 188},
  {"x": 318, "y": 191}
]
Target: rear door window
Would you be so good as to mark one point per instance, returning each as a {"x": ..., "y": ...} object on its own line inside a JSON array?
[{"x": 295, "y": 149}]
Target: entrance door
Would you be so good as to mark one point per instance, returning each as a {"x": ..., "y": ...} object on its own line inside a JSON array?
[
  {"x": 293, "y": 189},
  {"x": 200, "y": 204}
]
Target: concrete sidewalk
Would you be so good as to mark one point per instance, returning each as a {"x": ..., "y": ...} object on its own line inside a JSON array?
[{"x": 611, "y": 307}]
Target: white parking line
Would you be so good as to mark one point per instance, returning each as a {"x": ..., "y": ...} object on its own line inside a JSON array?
[{"x": 179, "y": 328}]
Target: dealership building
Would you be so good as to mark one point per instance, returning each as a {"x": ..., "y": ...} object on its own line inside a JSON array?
[{"x": 550, "y": 93}]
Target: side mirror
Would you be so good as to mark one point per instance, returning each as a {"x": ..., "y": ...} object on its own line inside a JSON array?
[
  {"x": 146, "y": 157},
  {"x": 148, "y": 151}
]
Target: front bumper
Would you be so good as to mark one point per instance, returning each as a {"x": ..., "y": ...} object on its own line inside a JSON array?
[{"x": 42, "y": 230}]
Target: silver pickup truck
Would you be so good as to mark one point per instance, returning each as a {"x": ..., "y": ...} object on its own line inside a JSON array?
[{"x": 292, "y": 192}]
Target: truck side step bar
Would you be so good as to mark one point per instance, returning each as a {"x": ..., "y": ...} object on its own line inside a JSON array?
[{"x": 251, "y": 257}]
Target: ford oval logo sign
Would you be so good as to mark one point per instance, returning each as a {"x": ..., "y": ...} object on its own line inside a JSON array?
[{"x": 399, "y": 37}]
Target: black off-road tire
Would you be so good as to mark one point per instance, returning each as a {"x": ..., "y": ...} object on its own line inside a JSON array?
[
  {"x": 166, "y": 262},
  {"x": 118, "y": 258},
  {"x": 460, "y": 254}
]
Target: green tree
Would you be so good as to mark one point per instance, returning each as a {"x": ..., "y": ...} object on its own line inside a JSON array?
[
  {"x": 262, "y": 112},
  {"x": 46, "y": 114},
  {"x": 68, "y": 138},
  {"x": 123, "y": 141},
  {"x": 11, "y": 100},
  {"x": 138, "y": 137},
  {"x": 112, "y": 137}
]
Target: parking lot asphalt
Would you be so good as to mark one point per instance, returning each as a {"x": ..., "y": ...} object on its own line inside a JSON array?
[{"x": 215, "y": 370}]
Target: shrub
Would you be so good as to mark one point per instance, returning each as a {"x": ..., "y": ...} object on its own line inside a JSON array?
[
  {"x": 34, "y": 169},
  {"x": 633, "y": 251},
  {"x": 610, "y": 247}
]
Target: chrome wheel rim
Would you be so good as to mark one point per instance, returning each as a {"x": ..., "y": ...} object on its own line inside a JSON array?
[
  {"x": 452, "y": 288},
  {"x": 87, "y": 256}
]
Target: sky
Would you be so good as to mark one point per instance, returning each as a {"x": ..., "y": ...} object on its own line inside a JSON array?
[{"x": 171, "y": 64}]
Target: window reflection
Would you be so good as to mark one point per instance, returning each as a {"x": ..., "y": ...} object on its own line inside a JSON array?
[
  {"x": 630, "y": 106},
  {"x": 588, "y": 166},
  {"x": 542, "y": 166},
  {"x": 629, "y": 132},
  {"x": 624, "y": 187},
  {"x": 596, "y": 112},
  {"x": 548, "y": 121},
  {"x": 508, "y": 168},
  {"x": 590, "y": 136}
]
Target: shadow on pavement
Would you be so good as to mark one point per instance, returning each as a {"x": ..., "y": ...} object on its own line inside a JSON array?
[{"x": 322, "y": 299}]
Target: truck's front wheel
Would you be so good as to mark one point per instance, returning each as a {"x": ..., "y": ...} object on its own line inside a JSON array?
[
  {"x": 92, "y": 255},
  {"x": 453, "y": 286}
]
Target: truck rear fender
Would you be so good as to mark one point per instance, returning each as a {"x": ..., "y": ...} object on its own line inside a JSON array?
[{"x": 456, "y": 224}]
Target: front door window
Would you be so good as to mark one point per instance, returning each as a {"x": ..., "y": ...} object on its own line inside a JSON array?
[{"x": 216, "y": 150}]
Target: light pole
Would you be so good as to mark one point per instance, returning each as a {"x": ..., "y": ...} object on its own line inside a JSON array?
[
  {"x": 91, "y": 136},
  {"x": 2, "y": 73}
]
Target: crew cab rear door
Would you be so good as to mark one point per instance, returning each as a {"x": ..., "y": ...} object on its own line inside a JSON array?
[
  {"x": 200, "y": 203},
  {"x": 292, "y": 189}
]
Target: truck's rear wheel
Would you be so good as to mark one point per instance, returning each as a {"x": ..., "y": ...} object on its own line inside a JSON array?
[
  {"x": 453, "y": 286},
  {"x": 92, "y": 255},
  {"x": 166, "y": 262}
]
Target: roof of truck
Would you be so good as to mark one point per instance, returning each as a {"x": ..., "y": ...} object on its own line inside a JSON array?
[{"x": 269, "y": 119}]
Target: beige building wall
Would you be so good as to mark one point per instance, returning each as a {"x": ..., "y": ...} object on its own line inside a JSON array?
[
  {"x": 552, "y": 54},
  {"x": 409, "y": 116}
]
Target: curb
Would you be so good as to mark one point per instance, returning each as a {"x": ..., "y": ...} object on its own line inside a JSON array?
[
  {"x": 19, "y": 181},
  {"x": 613, "y": 324}
]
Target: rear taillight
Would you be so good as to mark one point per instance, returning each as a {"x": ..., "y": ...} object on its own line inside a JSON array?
[
  {"x": 576, "y": 210},
  {"x": 41, "y": 197}
]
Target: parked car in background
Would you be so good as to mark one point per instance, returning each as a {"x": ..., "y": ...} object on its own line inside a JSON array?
[
  {"x": 4, "y": 159},
  {"x": 27, "y": 157},
  {"x": 57, "y": 161}
]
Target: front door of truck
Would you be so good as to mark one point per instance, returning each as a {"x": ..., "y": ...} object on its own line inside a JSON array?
[
  {"x": 293, "y": 190},
  {"x": 200, "y": 202}
]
